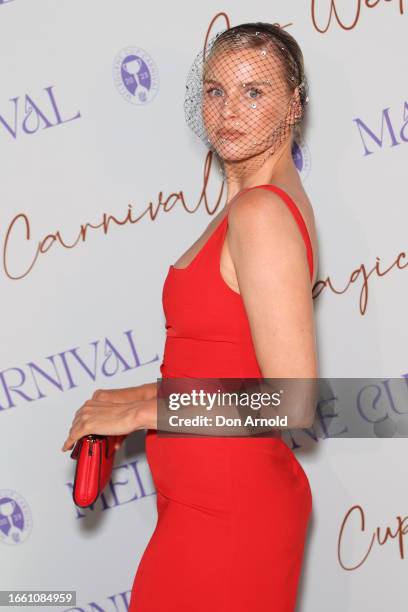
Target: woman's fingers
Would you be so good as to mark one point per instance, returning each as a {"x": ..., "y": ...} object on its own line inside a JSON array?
[
  {"x": 101, "y": 417},
  {"x": 101, "y": 394},
  {"x": 68, "y": 444},
  {"x": 77, "y": 429}
]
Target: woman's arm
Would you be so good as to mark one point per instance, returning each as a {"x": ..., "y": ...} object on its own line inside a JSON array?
[
  {"x": 253, "y": 407},
  {"x": 270, "y": 259},
  {"x": 273, "y": 275},
  {"x": 150, "y": 416}
]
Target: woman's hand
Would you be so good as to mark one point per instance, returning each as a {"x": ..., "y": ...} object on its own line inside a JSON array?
[
  {"x": 127, "y": 394},
  {"x": 111, "y": 417}
]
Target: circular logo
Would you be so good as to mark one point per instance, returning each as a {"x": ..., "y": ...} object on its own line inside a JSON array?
[
  {"x": 135, "y": 75},
  {"x": 301, "y": 157},
  {"x": 15, "y": 517}
]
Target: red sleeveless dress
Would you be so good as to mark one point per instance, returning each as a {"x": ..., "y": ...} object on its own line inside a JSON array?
[{"x": 232, "y": 511}]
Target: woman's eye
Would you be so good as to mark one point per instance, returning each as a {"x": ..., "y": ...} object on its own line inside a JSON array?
[
  {"x": 257, "y": 91},
  {"x": 213, "y": 89}
]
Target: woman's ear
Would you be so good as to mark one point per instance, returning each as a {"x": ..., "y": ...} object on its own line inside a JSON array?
[{"x": 295, "y": 109}]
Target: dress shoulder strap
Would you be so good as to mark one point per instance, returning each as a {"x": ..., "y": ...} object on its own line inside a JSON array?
[{"x": 298, "y": 218}]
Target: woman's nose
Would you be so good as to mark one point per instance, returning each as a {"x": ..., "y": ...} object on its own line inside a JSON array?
[{"x": 230, "y": 107}]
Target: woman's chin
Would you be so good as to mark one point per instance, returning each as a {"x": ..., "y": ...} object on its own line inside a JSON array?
[{"x": 229, "y": 152}]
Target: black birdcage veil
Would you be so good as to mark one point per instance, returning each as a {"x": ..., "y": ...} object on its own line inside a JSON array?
[{"x": 244, "y": 96}]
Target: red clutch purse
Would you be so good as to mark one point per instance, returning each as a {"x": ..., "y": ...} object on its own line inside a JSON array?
[{"x": 95, "y": 455}]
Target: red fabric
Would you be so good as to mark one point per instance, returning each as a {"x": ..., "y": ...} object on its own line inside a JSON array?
[{"x": 232, "y": 512}]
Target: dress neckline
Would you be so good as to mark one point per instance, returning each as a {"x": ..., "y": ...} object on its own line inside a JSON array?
[
  {"x": 171, "y": 267},
  {"x": 213, "y": 233}
]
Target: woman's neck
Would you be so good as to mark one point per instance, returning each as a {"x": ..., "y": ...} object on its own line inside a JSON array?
[{"x": 277, "y": 168}]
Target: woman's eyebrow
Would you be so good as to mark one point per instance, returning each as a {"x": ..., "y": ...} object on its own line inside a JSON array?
[
  {"x": 212, "y": 81},
  {"x": 256, "y": 83},
  {"x": 242, "y": 83}
]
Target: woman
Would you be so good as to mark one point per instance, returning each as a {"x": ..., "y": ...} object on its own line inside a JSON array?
[{"x": 232, "y": 511}]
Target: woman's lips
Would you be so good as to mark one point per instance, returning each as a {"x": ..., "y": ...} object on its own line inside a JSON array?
[{"x": 230, "y": 134}]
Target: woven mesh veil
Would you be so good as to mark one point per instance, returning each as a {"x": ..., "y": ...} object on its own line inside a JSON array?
[{"x": 245, "y": 93}]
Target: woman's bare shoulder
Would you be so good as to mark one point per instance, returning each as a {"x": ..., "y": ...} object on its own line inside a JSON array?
[{"x": 257, "y": 208}]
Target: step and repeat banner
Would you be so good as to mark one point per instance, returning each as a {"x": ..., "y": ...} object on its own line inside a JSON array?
[{"x": 103, "y": 186}]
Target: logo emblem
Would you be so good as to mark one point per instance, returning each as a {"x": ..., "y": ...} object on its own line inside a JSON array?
[
  {"x": 15, "y": 517},
  {"x": 301, "y": 158},
  {"x": 135, "y": 75}
]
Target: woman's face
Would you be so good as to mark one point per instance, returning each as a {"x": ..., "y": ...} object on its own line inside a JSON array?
[{"x": 245, "y": 101}]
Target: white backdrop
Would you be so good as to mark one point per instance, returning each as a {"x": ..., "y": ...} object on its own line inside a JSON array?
[{"x": 79, "y": 314}]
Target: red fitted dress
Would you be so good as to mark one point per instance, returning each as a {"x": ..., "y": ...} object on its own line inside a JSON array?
[{"x": 232, "y": 511}]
